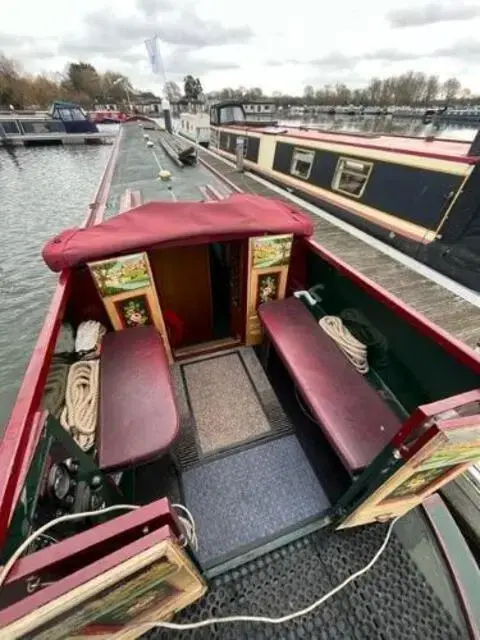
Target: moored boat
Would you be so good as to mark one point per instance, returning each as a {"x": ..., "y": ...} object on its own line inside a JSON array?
[
  {"x": 196, "y": 353},
  {"x": 65, "y": 123},
  {"x": 107, "y": 116},
  {"x": 195, "y": 127},
  {"x": 418, "y": 194}
]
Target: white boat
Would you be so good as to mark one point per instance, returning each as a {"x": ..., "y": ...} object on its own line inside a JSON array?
[{"x": 195, "y": 127}]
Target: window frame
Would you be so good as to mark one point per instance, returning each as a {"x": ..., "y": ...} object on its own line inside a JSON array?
[
  {"x": 338, "y": 171},
  {"x": 293, "y": 161}
]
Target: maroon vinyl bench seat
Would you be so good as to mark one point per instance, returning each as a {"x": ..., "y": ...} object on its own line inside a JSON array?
[
  {"x": 354, "y": 418},
  {"x": 138, "y": 418}
]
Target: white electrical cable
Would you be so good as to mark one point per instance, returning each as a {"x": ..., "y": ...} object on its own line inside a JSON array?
[
  {"x": 291, "y": 616},
  {"x": 69, "y": 516},
  {"x": 188, "y": 525},
  {"x": 210, "y": 621}
]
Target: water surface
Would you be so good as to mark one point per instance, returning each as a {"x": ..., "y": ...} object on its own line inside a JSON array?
[{"x": 42, "y": 191}]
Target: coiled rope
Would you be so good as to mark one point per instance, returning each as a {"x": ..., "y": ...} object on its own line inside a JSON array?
[
  {"x": 354, "y": 350},
  {"x": 79, "y": 416},
  {"x": 362, "y": 329}
]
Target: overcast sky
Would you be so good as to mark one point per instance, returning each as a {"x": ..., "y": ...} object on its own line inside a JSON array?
[{"x": 280, "y": 46}]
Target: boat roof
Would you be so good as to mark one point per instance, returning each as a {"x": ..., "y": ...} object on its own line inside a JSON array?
[
  {"x": 455, "y": 150},
  {"x": 170, "y": 224}
]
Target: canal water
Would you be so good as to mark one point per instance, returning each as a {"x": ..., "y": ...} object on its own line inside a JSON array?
[
  {"x": 381, "y": 124},
  {"x": 46, "y": 189},
  {"x": 42, "y": 191}
]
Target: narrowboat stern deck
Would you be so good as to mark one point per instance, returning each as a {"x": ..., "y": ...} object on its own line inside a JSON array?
[{"x": 219, "y": 390}]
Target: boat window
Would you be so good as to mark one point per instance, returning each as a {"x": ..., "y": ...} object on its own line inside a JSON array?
[
  {"x": 351, "y": 176},
  {"x": 77, "y": 114},
  {"x": 65, "y": 114},
  {"x": 41, "y": 126},
  {"x": 9, "y": 126},
  {"x": 302, "y": 161},
  {"x": 231, "y": 114},
  {"x": 213, "y": 116}
]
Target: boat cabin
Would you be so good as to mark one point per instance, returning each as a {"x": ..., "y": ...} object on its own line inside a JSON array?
[
  {"x": 212, "y": 354},
  {"x": 62, "y": 118}
]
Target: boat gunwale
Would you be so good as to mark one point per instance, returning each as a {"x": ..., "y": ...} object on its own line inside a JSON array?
[
  {"x": 19, "y": 433},
  {"x": 431, "y": 507}
]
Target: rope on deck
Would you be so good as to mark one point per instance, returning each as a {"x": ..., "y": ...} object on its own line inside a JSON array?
[
  {"x": 354, "y": 350},
  {"x": 79, "y": 416}
]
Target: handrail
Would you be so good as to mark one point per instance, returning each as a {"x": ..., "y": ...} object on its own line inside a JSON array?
[{"x": 21, "y": 431}]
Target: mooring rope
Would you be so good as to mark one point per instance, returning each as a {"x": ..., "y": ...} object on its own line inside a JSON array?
[
  {"x": 354, "y": 350},
  {"x": 79, "y": 416}
]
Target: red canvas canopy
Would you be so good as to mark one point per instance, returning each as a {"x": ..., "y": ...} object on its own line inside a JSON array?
[{"x": 173, "y": 224}]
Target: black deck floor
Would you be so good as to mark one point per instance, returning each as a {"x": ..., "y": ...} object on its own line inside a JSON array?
[{"x": 393, "y": 601}]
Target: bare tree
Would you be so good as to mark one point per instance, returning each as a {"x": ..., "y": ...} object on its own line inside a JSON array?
[{"x": 450, "y": 89}]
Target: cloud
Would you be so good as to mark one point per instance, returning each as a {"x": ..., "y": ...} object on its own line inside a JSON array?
[
  {"x": 22, "y": 47},
  {"x": 337, "y": 60},
  {"x": 468, "y": 50},
  {"x": 154, "y": 7},
  {"x": 106, "y": 34},
  {"x": 431, "y": 14}
]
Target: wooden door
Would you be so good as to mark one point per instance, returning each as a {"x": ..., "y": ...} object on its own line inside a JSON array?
[
  {"x": 236, "y": 251},
  {"x": 182, "y": 278}
]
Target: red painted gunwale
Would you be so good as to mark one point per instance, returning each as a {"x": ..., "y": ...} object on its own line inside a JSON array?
[{"x": 22, "y": 431}]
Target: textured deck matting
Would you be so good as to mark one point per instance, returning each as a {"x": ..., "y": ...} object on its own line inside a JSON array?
[
  {"x": 393, "y": 601},
  {"x": 237, "y": 426},
  {"x": 243, "y": 498},
  {"x": 223, "y": 400}
]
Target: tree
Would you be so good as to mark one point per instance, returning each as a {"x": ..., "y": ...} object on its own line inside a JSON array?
[
  {"x": 431, "y": 90},
  {"x": 255, "y": 93},
  {"x": 450, "y": 89},
  {"x": 192, "y": 87},
  {"x": 9, "y": 76},
  {"x": 309, "y": 92},
  {"x": 83, "y": 77},
  {"x": 172, "y": 91}
]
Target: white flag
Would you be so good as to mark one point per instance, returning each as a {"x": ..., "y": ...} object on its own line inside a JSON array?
[{"x": 153, "y": 52}]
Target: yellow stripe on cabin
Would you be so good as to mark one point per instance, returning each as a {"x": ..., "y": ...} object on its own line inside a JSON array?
[{"x": 418, "y": 161}]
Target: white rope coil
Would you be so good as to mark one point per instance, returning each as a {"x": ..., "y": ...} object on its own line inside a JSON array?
[
  {"x": 79, "y": 416},
  {"x": 354, "y": 350}
]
